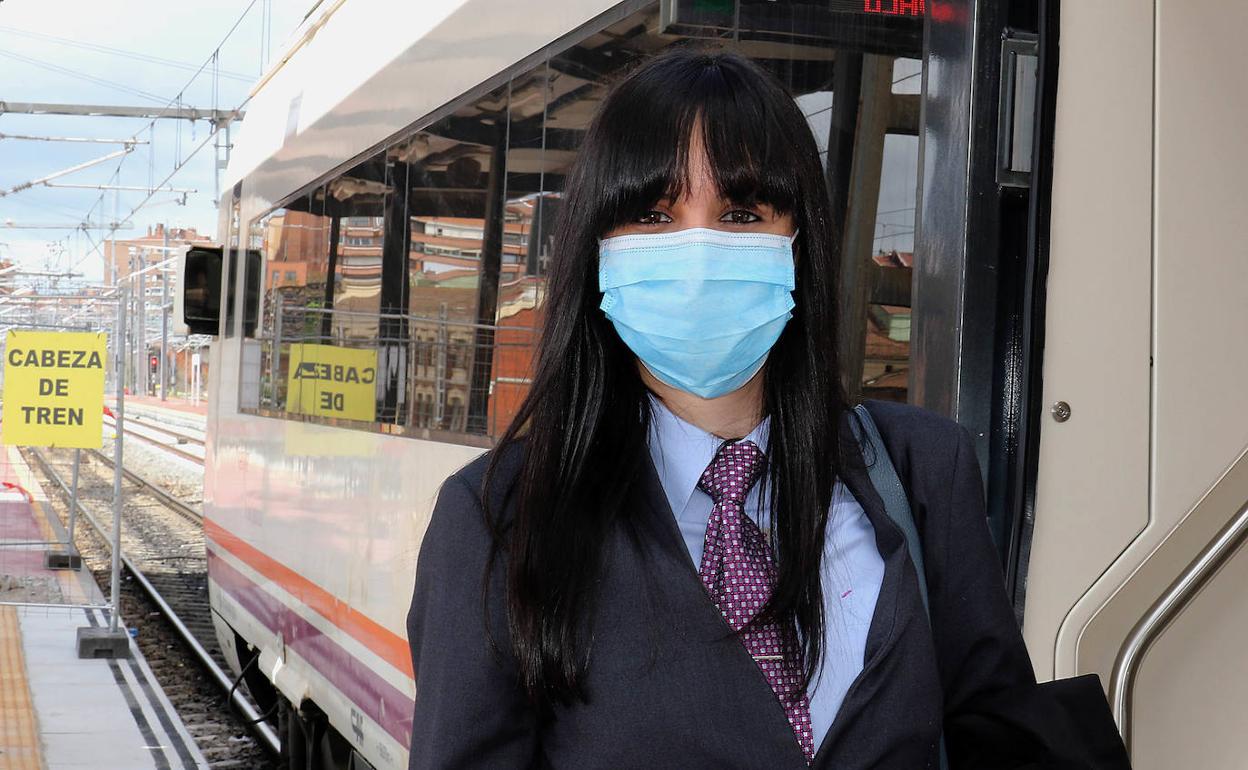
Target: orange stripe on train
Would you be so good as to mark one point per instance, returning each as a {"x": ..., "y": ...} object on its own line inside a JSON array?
[{"x": 390, "y": 646}]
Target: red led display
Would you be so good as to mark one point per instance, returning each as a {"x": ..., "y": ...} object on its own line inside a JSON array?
[{"x": 893, "y": 7}]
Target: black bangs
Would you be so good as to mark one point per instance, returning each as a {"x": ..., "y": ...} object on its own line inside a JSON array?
[{"x": 645, "y": 133}]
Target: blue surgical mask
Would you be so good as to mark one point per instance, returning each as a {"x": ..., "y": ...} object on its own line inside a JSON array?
[{"x": 701, "y": 308}]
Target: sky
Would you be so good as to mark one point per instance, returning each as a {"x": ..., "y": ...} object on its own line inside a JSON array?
[{"x": 55, "y": 51}]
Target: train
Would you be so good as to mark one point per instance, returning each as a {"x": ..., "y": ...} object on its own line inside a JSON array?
[{"x": 1034, "y": 200}]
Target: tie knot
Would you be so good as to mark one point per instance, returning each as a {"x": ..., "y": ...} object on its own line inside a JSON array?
[{"x": 733, "y": 471}]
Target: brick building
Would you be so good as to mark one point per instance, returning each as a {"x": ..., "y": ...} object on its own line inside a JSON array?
[{"x": 133, "y": 254}]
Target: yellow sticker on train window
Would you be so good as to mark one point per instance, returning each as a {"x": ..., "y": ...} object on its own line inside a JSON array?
[
  {"x": 54, "y": 388},
  {"x": 330, "y": 381}
]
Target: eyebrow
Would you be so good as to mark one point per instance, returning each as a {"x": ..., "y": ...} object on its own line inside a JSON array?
[{"x": 752, "y": 200}]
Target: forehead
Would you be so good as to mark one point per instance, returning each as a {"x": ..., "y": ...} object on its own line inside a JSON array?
[
  {"x": 725, "y": 172},
  {"x": 696, "y": 182}
]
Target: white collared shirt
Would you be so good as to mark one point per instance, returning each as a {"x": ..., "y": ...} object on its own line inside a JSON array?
[{"x": 852, "y": 566}]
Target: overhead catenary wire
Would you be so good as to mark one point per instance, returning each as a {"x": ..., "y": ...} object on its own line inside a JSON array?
[
  {"x": 134, "y": 55},
  {"x": 124, "y": 188},
  {"x": 89, "y": 140},
  {"x": 86, "y": 225},
  {"x": 178, "y": 167},
  {"x": 177, "y": 98},
  {"x": 82, "y": 76},
  {"x": 216, "y": 127},
  {"x": 45, "y": 207},
  {"x": 211, "y": 60},
  {"x": 63, "y": 172},
  {"x": 97, "y": 247}
]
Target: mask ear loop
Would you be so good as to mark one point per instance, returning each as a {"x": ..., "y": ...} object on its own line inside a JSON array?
[{"x": 793, "y": 249}]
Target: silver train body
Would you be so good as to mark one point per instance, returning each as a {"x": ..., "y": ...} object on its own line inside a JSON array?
[{"x": 1038, "y": 246}]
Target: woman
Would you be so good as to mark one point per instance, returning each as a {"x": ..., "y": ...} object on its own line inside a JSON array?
[{"x": 674, "y": 556}]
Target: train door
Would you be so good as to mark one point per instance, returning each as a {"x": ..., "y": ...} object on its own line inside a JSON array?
[
  {"x": 222, "y": 366},
  {"x": 981, "y": 244},
  {"x": 1137, "y": 561},
  {"x": 1078, "y": 307},
  {"x": 240, "y": 290}
]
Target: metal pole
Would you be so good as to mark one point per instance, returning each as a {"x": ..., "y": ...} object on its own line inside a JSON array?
[
  {"x": 440, "y": 367},
  {"x": 119, "y": 420},
  {"x": 140, "y": 328},
  {"x": 164, "y": 322},
  {"x": 275, "y": 360},
  {"x": 130, "y": 272},
  {"x": 73, "y": 501},
  {"x": 216, "y": 165},
  {"x": 132, "y": 363}
]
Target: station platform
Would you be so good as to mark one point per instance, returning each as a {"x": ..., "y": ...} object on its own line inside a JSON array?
[
  {"x": 173, "y": 403},
  {"x": 57, "y": 711}
]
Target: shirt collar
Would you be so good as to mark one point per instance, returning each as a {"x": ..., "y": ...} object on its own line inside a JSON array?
[{"x": 681, "y": 452}]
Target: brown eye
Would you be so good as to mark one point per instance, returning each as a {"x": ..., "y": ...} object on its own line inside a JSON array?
[
  {"x": 741, "y": 217},
  {"x": 653, "y": 218}
]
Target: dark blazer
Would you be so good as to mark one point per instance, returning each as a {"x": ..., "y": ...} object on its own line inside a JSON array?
[{"x": 668, "y": 686}]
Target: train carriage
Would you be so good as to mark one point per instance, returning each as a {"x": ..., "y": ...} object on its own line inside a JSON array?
[{"x": 1032, "y": 198}]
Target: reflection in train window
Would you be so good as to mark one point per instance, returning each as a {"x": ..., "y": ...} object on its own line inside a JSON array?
[
  {"x": 423, "y": 265},
  {"x": 454, "y": 174}
]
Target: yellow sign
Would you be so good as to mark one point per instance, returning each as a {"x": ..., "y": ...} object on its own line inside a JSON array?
[
  {"x": 54, "y": 388},
  {"x": 329, "y": 381}
]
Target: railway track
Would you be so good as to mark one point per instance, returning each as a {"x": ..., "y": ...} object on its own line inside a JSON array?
[
  {"x": 148, "y": 421},
  {"x": 173, "y": 449},
  {"x": 153, "y": 490},
  {"x": 166, "y": 599},
  {"x": 194, "y": 423}
]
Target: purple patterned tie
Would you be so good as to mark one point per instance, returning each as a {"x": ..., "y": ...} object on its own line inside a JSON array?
[{"x": 738, "y": 571}]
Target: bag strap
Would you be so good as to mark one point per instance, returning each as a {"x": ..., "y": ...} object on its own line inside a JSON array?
[{"x": 888, "y": 486}]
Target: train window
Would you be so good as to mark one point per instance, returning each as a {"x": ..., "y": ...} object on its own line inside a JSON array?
[
  {"x": 424, "y": 264},
  {"x": 871, "y": 160},
  {"x": 886, "y": 358},
  {"x": 295, "y": 260},
  {"x": 458, "y": 249},
  {"x": 322, "y": 302},
  {"x": 540, "y": 147},
  {"x": 278, "y": 250}
]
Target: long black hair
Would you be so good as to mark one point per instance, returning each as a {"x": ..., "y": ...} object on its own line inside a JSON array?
[{"x": 581, "y": 431}]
